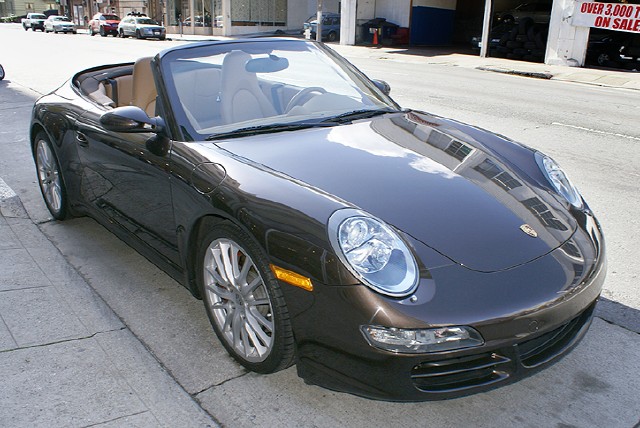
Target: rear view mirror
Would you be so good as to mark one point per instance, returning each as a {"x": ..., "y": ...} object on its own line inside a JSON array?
[
  {"x": 383, "y": 86},
  {"x": 270, "y": 64},
  {"x": 130, "y": 119}
]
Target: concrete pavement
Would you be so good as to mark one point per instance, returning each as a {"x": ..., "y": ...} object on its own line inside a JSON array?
[{"x": 67, "y": 359}]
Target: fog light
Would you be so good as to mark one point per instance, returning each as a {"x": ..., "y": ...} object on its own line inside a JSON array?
[{"x": 421, "y": 340}]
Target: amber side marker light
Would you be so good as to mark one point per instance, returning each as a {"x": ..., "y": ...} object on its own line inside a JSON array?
[{"x": 292, "y": 278}]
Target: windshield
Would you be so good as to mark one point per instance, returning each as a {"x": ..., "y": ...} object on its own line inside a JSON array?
[
  {"x": 111, "y": 17},
  {"x": 35, "y": 16},
  {"x": 148, "y": 21},
  {"x": 61, "y": 18},
  {"x": 227, "y": 87}
]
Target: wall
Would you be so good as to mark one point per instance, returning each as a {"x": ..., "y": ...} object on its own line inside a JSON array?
[
  {"x": 566, "y": 45},
  {"x": 396, "y": 11}
]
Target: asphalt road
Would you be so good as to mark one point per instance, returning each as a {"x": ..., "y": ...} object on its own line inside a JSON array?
[{"x": 591, "y": 131}]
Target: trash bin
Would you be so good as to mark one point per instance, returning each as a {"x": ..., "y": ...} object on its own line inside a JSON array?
[{"x": 383, "y": 28}]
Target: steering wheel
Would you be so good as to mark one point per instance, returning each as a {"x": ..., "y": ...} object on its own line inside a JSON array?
[{"x": 306, "y": 92}]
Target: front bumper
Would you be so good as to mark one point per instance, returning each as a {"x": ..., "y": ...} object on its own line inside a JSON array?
[{"x": 529, "y": 317}]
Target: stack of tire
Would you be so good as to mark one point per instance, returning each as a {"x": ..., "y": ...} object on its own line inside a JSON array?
[{"x": 526, "y": 41}]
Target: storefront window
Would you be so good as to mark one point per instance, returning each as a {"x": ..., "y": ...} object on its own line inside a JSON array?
[{"x": 259, "y": 12}]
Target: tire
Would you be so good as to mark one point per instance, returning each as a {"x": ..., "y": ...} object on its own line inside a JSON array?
[
  {"x": 91, "y": 33},
  {"x": 102, "y": 32},
  {"x": 121, "y": 34},
  {"x": 1, "y": 72},
  {"x": 33, "y": 29},
  {"x": 138, "y": 35},
  {"x": 248, "y": 312},
  {"x": 332, "y": 36},
  {"x": 25, "y": 27},
  {"x": 50, "y": 177}
]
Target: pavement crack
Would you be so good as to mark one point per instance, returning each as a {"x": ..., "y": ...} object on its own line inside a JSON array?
[
  {"x": 116, "y": 419},
  {"x": 56, "y": 342},
  {"x": 195, "y": 394}
]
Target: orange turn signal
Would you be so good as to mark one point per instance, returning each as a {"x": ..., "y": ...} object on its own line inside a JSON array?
[{"x": 292, "y": 278}]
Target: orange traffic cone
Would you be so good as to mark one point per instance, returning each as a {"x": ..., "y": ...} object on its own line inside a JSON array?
[{"x": 375, "y": 37}]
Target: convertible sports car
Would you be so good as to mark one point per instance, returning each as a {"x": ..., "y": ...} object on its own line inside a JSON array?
[{"x": 388, "y": 253}]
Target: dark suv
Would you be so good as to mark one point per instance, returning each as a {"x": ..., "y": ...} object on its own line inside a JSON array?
[
  {"x": 104, "y": 24},
  {"x": 330, "y": 26}
]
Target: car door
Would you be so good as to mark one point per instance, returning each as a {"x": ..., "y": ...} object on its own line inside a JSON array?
[{"x": 128, "y": 182}]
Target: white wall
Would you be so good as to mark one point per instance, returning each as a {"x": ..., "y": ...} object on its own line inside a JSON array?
[
  {"x": 396, "y": 11},
  {"x": 567, "y": 45}
]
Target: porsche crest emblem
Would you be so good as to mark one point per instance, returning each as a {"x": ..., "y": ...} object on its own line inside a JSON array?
[{"x": 529, "y": 230}]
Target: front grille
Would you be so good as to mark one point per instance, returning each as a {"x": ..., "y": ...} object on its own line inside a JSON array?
[
  {"x": 548, "y": 346},
  {"x": 474, "y": 371},
  {"x": 459, "y": 373}
]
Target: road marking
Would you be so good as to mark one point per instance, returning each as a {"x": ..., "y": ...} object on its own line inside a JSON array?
[
  {"x": 597, "y": 131},
  {"x": 5, "y": 191}
]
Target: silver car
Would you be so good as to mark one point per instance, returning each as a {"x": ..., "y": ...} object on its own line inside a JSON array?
[
  {"x": 59, "y": 24},
  {"x": 141, "y": 27}
]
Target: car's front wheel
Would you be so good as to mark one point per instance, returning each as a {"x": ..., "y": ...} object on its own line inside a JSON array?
[
  {"x": 244, "y": 301},
  {"x": 138, "y": 35},
  {"x": 50, "y": 178},
  {"x": 102, "y": 32}
]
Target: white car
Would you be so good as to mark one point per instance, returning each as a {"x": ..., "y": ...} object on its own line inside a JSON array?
[
  {"x": 59, "y": 24},
  {"x": 141, "y": 27}
]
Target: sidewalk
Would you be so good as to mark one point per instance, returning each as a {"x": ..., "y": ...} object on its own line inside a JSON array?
[{"x": 66, "y": 359}]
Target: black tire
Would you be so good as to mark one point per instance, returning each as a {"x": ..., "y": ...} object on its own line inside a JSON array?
[
  {"x": 91, "y": 33},
  {"x": 50, "y": 178},
  {"x": 121, "y": 34},
  {"x": 102, "y": 32},
  {"x": 138, "y": 35},
  {"x": 246, "y": 320},
  {"x": 1, "y": 72},
  {"x": 33, "y": 29},
  {"x": 332, "y": 36},
  {"x": 25, "y": 27}
]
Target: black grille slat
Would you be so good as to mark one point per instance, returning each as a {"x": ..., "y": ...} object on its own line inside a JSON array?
[
  {"x": 459, "y": 374},
  {"x": 479, "y": 371}
]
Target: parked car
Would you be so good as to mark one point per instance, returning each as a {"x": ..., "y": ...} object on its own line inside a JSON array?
[
  {"x": 538, "y": 10},
  {"x": 104, "y": 24},
  {"x": 615, "y": 49},
  {"x": 34, "y": 21},
  {"x": 59, "y": 24},
  {"x": 141, "y": 27},
  {"x": 330, "y": 26},
  {"x": 387, "y": 252}
]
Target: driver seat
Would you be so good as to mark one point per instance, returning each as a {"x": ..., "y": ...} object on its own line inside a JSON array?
[
  {"x": 144, "y": 92},
  {"x": 241, "y": 98}
]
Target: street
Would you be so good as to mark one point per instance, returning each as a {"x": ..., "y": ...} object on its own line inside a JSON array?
[{"x": 591, "y": 131}]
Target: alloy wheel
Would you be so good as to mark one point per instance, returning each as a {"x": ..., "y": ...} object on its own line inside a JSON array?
[
  {"x": 49, "y": 178},
  {"x": 238, "y": 300}
]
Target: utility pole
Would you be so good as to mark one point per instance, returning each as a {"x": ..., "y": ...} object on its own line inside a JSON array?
[{"x": 319, "y": 18}]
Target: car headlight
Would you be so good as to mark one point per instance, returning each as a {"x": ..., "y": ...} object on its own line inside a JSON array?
[
  {"x": 559, "y": 180},
  {"x": 417, "y": 341},
  {"x": 373, "y": 252}
]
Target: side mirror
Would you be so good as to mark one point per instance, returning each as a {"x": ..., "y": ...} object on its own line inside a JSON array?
[
  {"x": 383, "y": 86},
  {"x": 131, "y": 119}
]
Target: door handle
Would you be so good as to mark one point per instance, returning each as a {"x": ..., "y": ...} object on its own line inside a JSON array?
[{"x": 82, "y": 139}]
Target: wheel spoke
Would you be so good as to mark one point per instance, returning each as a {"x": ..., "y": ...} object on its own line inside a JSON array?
[
  {"x": 221, "y": 292},
  {"x": 261, "y": 319},
  {"x": 257, "y": 338},
  {"x": 250, "y": 287}
]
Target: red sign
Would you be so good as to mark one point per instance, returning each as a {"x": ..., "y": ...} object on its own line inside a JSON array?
[{"x": 612, "y": 16}]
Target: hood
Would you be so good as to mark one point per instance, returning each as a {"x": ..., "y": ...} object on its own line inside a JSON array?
[{"x": 428, "y": 178}]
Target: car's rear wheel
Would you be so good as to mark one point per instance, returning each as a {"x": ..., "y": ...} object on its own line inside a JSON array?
[
  {"x": 244, "y": 301},
  {"x": 50, "y": 177}
]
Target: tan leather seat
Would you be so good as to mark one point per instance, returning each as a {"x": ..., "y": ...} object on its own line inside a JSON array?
[
  {"x": 144, "y": 87},
  {"x": 241, "y": 96}
]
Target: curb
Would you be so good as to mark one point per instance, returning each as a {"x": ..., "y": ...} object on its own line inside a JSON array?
[
  {"x": 533, "y": 74},
  {"x": 10, "y": 203}
]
